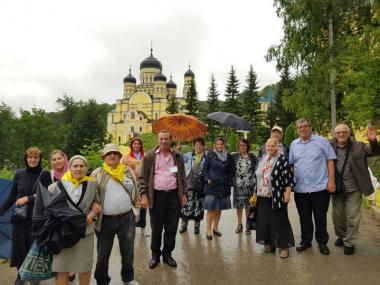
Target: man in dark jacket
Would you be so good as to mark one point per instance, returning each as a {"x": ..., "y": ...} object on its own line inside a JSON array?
[
  {"x": 353, "y": 180},
  {"x": 276, "y": 133},
  {"x": 163, "y": 189}
]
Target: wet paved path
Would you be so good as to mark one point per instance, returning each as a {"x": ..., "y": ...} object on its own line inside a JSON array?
[{"x": 237, "y": 259}]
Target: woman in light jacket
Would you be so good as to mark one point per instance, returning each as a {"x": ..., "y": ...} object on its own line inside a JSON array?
[{"x": 82, "y": 191}]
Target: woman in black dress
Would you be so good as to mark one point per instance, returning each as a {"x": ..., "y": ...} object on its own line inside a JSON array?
[
  {"x": 23, "y": 192},
  {"x": 274, "y": 182}
]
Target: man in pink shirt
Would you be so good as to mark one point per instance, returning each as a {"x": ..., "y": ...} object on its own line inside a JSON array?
[{"x": 162, "y": 185}]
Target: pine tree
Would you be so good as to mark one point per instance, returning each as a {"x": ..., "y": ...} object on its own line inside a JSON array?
[
  {"x": 173, "y": 104},
  {"x": 231, "y": 103},
  {"x": 192, "y": 99},
  {"x": 213, "y": 96},
  {"x": 252, "y": 110},
  {"x": 213, "y": 105},
  {"x": 277, "y": 114}
]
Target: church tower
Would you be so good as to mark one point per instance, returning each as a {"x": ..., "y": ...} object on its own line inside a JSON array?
[
  {"x": 189, "y": 76},
  {"x": 129, "y": 85}
]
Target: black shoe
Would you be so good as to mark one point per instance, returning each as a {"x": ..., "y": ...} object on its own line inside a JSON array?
[
  {"x": 196, "y": 230},
  {"x": 217, "y": 233},
  {"x": 349, "y": 250},
  {"x": 18, "y": 281},
  {"x": 208, "y": 237},
  {"x": 324, "y": 249},
  {"x": 303, "y": 246},
  {"x": 169, "y": 261},
  {"x": 71, "y": 277},
  {"x": 182, "y": 229},
  {"x": 154, "y": 262},
  {"x": 339, "y": 242}
]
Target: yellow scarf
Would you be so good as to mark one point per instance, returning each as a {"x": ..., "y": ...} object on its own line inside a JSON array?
[
  {"x": 118, "y": 173},
  {"x": 198, "y": 159},
  {"x": 69, "y": 177}
]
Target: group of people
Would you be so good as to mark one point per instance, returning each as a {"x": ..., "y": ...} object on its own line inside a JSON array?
[{"x": 115, "y": 196}]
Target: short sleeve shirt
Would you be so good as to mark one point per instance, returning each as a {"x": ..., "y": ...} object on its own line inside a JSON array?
[{"x": 309, "y": 160}]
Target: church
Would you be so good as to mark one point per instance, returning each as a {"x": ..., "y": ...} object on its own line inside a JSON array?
[{"x": 145, "y": 102}]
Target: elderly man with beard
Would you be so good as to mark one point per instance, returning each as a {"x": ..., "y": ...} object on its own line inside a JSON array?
[
  {"x": 163, "y": 190},
  {"x": 352, "y": 180}
]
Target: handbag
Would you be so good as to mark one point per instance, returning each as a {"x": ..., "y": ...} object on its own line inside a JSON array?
[
  {"x": 195, "y": 181},
  {"x": 20, "y": 213},
  {"x": 251, "y": 218},
  {"x": 37, "y": 264}
]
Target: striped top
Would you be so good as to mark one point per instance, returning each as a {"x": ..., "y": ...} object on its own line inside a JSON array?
[{"x": 117, "y": 200}]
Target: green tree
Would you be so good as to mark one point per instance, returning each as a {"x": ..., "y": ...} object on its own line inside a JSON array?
[
  {"x": 231, "y": 94},
  {"x": 192, "y": 99},
  {"x": 252, "y": 109},
  {"x": 8, "y": 137},
  {"x": 307, "y": 49},
  {"x": 213, "y": 106},
  {"x": 277, "y": 114},
  {"x": 88, "y": 125},
  {"x": 173, "y": 104}
]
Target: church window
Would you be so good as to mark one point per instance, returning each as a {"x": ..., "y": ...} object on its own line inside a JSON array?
[
  {"x": 119, "y": 139},
  {"x": 156, "y": 116},
  {"x": 113, "y": 119},
  {"x": 132, "y": 130},
  {"x": 140, "y": 129},
  {"x": 140, "y": 118},
  {"x": 132, "y": 115}
]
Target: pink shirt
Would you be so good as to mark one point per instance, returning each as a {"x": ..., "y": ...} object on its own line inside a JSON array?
[{"x": 164, "y": 179}]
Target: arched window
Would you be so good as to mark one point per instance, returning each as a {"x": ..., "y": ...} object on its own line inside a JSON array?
[
  {"x": 119, "y": 139},
  {"x": 140, "y": 129},
  {"x": 132, "y": 130},
  {"x": 156, "y": 116},
  {"x": 132, "y": 115}
]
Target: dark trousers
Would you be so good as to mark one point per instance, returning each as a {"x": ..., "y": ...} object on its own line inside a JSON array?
[
  {"x": 21, "y": 242},
  {"x": 313, "y": 204},
  {"x": 142, "y": 222},
  {"x": 164, "y": 216},
  {"x": 124, "y": 228}
]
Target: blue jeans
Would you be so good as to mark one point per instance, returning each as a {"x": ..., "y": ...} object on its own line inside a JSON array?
[{"x": 124, "y": 228}]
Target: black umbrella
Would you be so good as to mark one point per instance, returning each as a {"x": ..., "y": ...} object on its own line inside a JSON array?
[{"x": 230, "y": 120}]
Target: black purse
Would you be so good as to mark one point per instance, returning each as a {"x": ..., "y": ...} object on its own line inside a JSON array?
[{"x": 20, "y": 213}]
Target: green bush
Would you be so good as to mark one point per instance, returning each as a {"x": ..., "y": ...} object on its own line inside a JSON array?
[
  {"x": 6, "y": 173},
  {"x": 290, "y": 134}
]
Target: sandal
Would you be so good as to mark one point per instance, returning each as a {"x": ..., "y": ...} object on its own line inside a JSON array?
[
  {"x": 284, "y": 253},
  {"x": 239, "y": 229},
  {"x": 269, "y": 248}
]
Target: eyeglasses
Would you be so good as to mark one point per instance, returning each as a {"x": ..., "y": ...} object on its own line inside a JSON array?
[{"x": 343, "y": 132}]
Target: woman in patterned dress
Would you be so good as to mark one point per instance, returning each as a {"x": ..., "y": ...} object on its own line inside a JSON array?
[
  {"x": 244, "y": 181},
  {"x": 274, "y": 178}
]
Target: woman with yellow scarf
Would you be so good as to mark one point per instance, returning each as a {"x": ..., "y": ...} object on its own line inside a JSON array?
[{"x": 82, "y": 196}]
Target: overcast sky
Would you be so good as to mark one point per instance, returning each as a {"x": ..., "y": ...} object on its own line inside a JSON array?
[{"x": 85, "y": 48}]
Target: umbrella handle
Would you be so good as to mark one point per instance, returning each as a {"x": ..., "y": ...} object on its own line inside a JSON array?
[{"x": 225, "y": 138}]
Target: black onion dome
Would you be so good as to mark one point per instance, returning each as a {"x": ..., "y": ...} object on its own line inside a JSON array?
[
  {"x": 189, "y": 73},
  {"x": 171, "y": 84},
  {"x": 129, "y": 78},
  {"x": 160, "y": 77},
  {"x": 151, "y": 62}
]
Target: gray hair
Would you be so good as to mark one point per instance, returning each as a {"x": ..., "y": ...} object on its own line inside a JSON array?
[
  {"x": 343, "y": 126},
  {"x": 81, "y": 157},
  {"x": 302, "y": 120}
]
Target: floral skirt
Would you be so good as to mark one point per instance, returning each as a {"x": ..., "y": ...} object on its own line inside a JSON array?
[
  {"x": 193, "y": 209},
  {"x": 241, "y": 197}
]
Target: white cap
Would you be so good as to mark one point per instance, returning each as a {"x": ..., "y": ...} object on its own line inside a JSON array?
[{"x": 277, "y": 128}]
